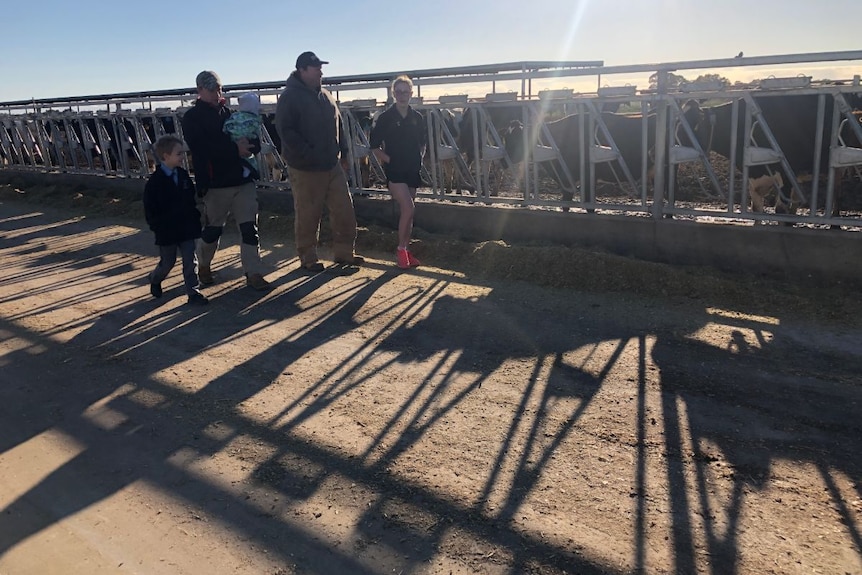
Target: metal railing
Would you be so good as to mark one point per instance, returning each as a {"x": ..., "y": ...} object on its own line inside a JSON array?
[{"x": 539, "y": 148}]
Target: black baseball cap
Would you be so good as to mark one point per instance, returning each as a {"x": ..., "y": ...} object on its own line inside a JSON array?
[{"x": 307, "y": 59}]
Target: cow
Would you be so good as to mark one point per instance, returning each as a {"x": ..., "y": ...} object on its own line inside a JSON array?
[
  {"x": 450, "y": 182},
  {"x": 272, "y": 162},
  {"x": 792, "y": 120},
  {"x": 19, "y": 143},
  {"x": 369, "y": 175},
  {"x": 501, "y": 117},
  {"x": 8, "y": 151},
  {"x": 52, "y": 139},
  {"x": 271, "y": 158},
  {"x": 761, "y": 187},
  {"x": 626, "y": 131},
  {"x": 94, "y": 134},
  {"x": 77, "y": 139}
]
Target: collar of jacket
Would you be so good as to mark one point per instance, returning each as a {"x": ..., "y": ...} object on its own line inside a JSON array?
[
  {"x": 209, "y": 108},
  {"x": 294, "y": 81}
]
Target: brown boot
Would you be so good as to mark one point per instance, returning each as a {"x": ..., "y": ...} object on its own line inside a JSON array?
[
  {"x": 205, "y": 276},
  {"x": 256, "y": 281},
  {"x": 354, "y": 260}
]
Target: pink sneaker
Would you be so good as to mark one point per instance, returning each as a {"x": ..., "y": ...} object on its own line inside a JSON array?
[
  {"x": 412, "y": 260},
  {"x": 402, "y": 257}
]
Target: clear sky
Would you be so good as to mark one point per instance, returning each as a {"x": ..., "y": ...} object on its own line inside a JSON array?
[{"x": 61, "y": 48}]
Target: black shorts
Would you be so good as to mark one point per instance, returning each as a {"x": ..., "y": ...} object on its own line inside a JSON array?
[{"x": 409, "y": 177}]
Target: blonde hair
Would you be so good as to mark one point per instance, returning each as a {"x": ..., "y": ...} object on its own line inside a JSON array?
[{"x": 402, "y": 79}]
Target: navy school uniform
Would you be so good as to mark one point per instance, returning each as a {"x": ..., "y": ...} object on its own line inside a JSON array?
[{"x": 171, "y": 212}]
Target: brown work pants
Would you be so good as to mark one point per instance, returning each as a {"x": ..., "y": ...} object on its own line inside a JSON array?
[{"x": 311, "y": 192}]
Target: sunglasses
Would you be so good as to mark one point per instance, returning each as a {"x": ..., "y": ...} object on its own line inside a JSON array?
[{"x": 403, "y": 91}]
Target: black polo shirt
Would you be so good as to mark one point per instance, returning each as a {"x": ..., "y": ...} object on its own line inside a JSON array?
[{"x": 401, "y": 138}]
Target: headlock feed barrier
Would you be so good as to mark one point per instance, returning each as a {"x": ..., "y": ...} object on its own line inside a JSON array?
[{"x": 785, "y": 149}]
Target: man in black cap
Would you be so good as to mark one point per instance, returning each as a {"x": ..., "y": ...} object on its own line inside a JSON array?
[
  {"x": 223, "y": 181},
  {"x": 312, "y": 143}
]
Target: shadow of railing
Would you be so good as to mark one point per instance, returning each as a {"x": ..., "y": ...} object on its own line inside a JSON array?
[{"x": 491, "y": 365}]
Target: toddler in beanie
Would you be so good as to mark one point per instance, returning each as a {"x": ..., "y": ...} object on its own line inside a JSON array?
[{"x": 245, "y": 123}]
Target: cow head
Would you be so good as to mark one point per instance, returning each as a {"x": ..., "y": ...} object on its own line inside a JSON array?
[
  {"x": 452, "y": 123},
  {"x": 701, "y": 123},
  {"x": 513, "y": 138},
  {"x": 759, "y": 188}
]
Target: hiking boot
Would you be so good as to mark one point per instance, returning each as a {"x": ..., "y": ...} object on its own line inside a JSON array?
[
  {"x": 256, "y": 281},
  {"x": 412, "y": 260},
  {"x": 353, "y": 260},
  {"x": 155, "y": 287},
  {"x": 205, "y": 275},
  {"x": 314, "y": 267},
  {"x": 198, "y": 298},
  {"x": 402, "y": 257}
]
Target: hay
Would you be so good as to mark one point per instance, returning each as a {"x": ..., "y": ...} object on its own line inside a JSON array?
[{"x": 549, "y": 266}]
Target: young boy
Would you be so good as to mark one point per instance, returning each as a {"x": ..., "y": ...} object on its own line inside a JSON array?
[
  {"x": 245, "y": 123},
  {"x": 169, "y": 206}
]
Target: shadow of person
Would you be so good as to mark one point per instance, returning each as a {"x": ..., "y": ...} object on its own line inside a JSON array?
[
  {"x": 103, "y": 390},
  {"x": 740, "y": 401}
]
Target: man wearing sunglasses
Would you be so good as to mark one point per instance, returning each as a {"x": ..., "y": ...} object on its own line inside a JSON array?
[{"x": 223, "y": 181}]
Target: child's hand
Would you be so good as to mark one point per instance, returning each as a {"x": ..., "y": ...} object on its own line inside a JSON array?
[{"x": 244, "y": 147}]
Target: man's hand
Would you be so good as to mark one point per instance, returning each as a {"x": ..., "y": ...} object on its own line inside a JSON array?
[
  {"x": 244, "y": 147},
  {"x": 345, "y": 164}
]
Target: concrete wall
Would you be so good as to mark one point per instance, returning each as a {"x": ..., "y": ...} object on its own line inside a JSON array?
[
  {"x": 819, "y": 256},
  {"x": 813, "y": 256}
]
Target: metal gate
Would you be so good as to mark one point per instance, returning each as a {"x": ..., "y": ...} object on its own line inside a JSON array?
[{"x": 572, "y": 153}]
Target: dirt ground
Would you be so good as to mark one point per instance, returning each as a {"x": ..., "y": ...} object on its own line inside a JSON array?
[{"x": 502, "y": 410}]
